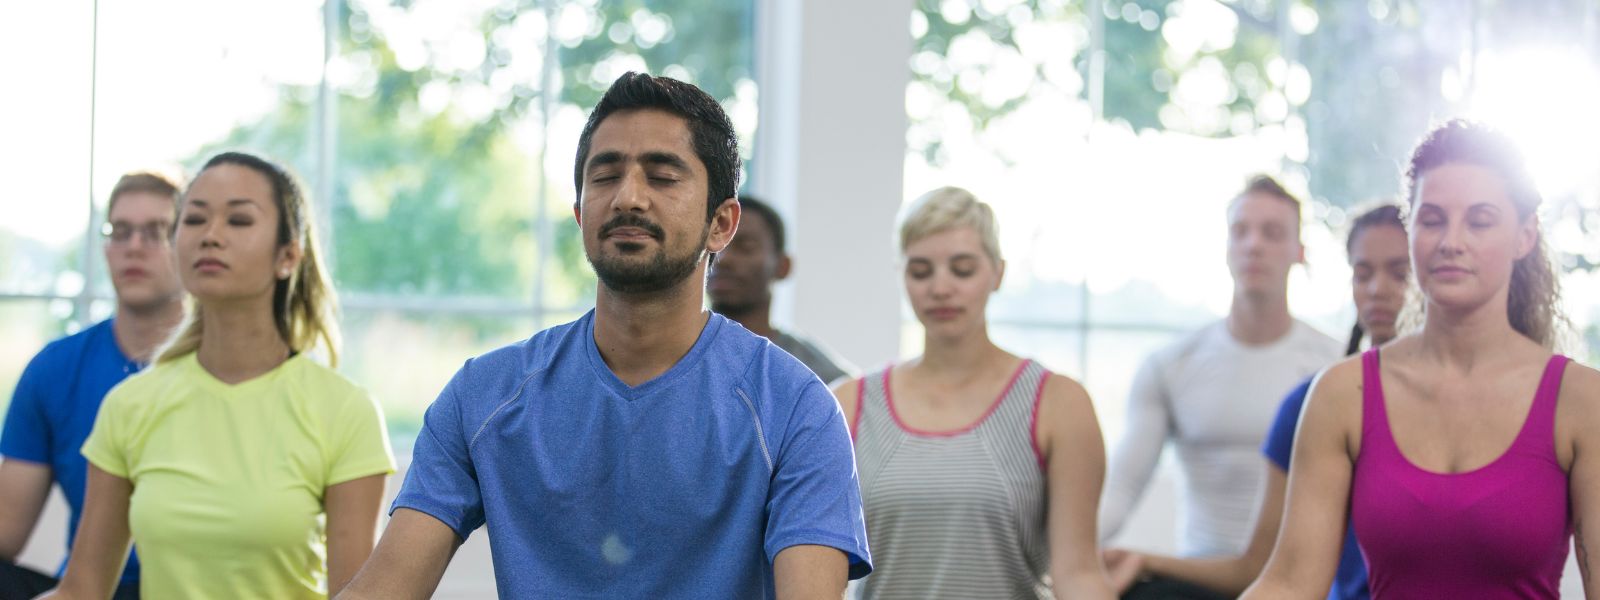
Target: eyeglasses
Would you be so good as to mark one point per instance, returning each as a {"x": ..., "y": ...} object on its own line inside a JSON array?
[{"x": 120, "y": 234}]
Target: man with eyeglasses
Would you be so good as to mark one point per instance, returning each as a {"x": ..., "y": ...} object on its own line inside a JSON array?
[{"x": 54, "y": 405}]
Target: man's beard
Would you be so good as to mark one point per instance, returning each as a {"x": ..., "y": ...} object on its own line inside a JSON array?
[{"x": 659, "y": 273}]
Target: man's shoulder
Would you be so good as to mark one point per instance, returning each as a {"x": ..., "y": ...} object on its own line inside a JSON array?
[
  {"x": 64, "y": 352},
  {"x": 514, "y": 362},
  {"x": 1188, "y": 344},
  {"x": 1314, "y": 340},
  {"x": 755, "y": 357}
]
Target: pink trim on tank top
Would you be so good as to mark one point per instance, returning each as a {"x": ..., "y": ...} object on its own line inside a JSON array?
[
  {"x": 1033, "y": 422},
  {"x": 861, "y": 399},
  {"x": 888, "y": 397}
]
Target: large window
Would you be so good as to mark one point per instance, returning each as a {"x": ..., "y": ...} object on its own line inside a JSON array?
[
  {"x": 436, "y": 138},
  {"x": 1110, "y": 135}
]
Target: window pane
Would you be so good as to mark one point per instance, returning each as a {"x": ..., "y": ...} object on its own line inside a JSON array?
[{"x": 44, "y": 158}]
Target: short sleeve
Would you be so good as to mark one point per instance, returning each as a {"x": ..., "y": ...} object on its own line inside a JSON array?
[
  {"x": 441, "y": 480},
  {"x": 26, "y": 435},
  {"x": 815, "y": 497},
  {"x": 106, "y": 446},
  {"x": 360, "y": 441},
  {"x": 1279, "y": 445}
]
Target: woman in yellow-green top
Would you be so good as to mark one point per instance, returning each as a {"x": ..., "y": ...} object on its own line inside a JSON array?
[{"x": 240, "y": 467}]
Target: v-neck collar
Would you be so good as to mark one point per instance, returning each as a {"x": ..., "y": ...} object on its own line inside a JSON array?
[{"x": 690, "y": 359}]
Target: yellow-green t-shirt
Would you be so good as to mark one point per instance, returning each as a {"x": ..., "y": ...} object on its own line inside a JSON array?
[{"x": 228, "y": 480}]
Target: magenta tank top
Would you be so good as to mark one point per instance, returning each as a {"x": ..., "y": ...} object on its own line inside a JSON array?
[{"x": 1500, "y": 531}]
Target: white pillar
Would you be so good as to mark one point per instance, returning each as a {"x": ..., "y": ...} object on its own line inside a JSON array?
[{"x": 830, "y": 155}]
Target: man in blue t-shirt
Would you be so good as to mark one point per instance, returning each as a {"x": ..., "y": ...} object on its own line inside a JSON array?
[
  {"x": 650, "y": 449},
  {"x": 58, "y": 395}
]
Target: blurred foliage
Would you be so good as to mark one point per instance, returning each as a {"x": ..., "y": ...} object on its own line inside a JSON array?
[
  {"x": 1360, "y": 82},
  {"x": 434, "y": 196}
]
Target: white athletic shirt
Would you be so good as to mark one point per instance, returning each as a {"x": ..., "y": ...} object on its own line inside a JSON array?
[{"x": 1214, "y": 398}]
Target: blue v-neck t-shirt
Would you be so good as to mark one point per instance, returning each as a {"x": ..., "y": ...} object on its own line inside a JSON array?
[{"x": 687, "y": 485}]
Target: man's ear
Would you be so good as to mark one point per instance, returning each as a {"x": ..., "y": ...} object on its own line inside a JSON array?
[
  {"x": 784, "y": 266},
  {"x": 724, "y": 224}
]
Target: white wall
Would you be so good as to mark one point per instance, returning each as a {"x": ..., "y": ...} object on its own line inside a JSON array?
[{"x": 830, "y": 156}]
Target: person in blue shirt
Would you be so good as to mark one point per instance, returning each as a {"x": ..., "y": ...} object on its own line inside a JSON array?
[
  {"x": 650, "y": 449},
  {"x": 59, "y": 393},
  {"x": 1380, "y": 265}
]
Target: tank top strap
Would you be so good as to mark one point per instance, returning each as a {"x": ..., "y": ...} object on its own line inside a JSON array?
[
  {"x": 1015, "y": 407},
  {"x": 1538, "y": 433},
  {"x": 872, "y": 403},
  {"x": 1375, "y": 434}
]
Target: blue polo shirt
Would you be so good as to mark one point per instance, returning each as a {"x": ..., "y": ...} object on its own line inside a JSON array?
[
  {"x": 1350, "y": 581},
  {"x": 685, "y": 486},
  {"x": 53, "y": 409}
]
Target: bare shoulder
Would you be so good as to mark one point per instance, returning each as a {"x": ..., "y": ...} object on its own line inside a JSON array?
[
  {"x": 1342, "y": 380},
  {"x": 1059, "y": 388},
  {"x": 1333, "y": 405},
  {"x": 1064, "y": 412},
  {"x": 848, "y": 392},
  {"x": 1579, "y": 399}
]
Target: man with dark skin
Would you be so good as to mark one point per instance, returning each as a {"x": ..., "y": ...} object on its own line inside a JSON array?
[{"x": 741, "y": 286}]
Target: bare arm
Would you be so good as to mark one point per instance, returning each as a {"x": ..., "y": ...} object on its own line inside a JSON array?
[
  {"x": 1579, "y": 412},
  {"x": 848, "y": 393},
  {"x": 409, "y": 561},
  {"x": 24, "y": 487},
  {"x": 807, "y": 572},
  {"x": 1307, "y": 553},
  {"x": 1230, "y": 576},
  {"x": 352, "y": 508},
  {"x": 101, "y": 546},
  {"x": 1069, "y": 438}
]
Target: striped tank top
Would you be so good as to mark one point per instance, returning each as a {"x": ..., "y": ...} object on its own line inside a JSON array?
[{"x": 954, "y": 514}]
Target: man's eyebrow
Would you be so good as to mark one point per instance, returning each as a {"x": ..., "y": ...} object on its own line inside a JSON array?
[
  {"x": 609, "y": 157},
  {"x": 666, "y": 159}
]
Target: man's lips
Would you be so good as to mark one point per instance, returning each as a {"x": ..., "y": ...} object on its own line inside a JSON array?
[{"x": 629, "y": 232}]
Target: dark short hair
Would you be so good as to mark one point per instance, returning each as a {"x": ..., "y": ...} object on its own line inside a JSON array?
[
  {"x": 710, "y": 130},
  {"x": 752, "y": 205},
  {"x": 1266, "y": 185}
]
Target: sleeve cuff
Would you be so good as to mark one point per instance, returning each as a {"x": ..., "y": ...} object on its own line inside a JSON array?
[
  {"x": 855, "y": 551},
  {"x": 354, "y": 473},
  {"x": 439, "y": 513},
  {"x": 106, "y": 464}
]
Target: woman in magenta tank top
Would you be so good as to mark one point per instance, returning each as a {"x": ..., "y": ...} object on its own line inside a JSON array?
[
  {"x": 1464, "y": 454},
  {"x": 980, "y": 470}
]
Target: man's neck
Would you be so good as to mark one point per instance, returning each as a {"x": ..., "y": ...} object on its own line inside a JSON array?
[
  {"x": 139, "y": 330},
  {"x": 1259, "y": 318},
  {"x": 641, "y": 336},
  {"x": 758, "y": 319}
]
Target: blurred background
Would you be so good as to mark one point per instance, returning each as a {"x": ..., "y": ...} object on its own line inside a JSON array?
[{"x": 437, "y": 139}]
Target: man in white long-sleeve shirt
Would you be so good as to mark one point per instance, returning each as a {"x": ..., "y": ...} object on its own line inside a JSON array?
[{"x": 1213, "y": 393}]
